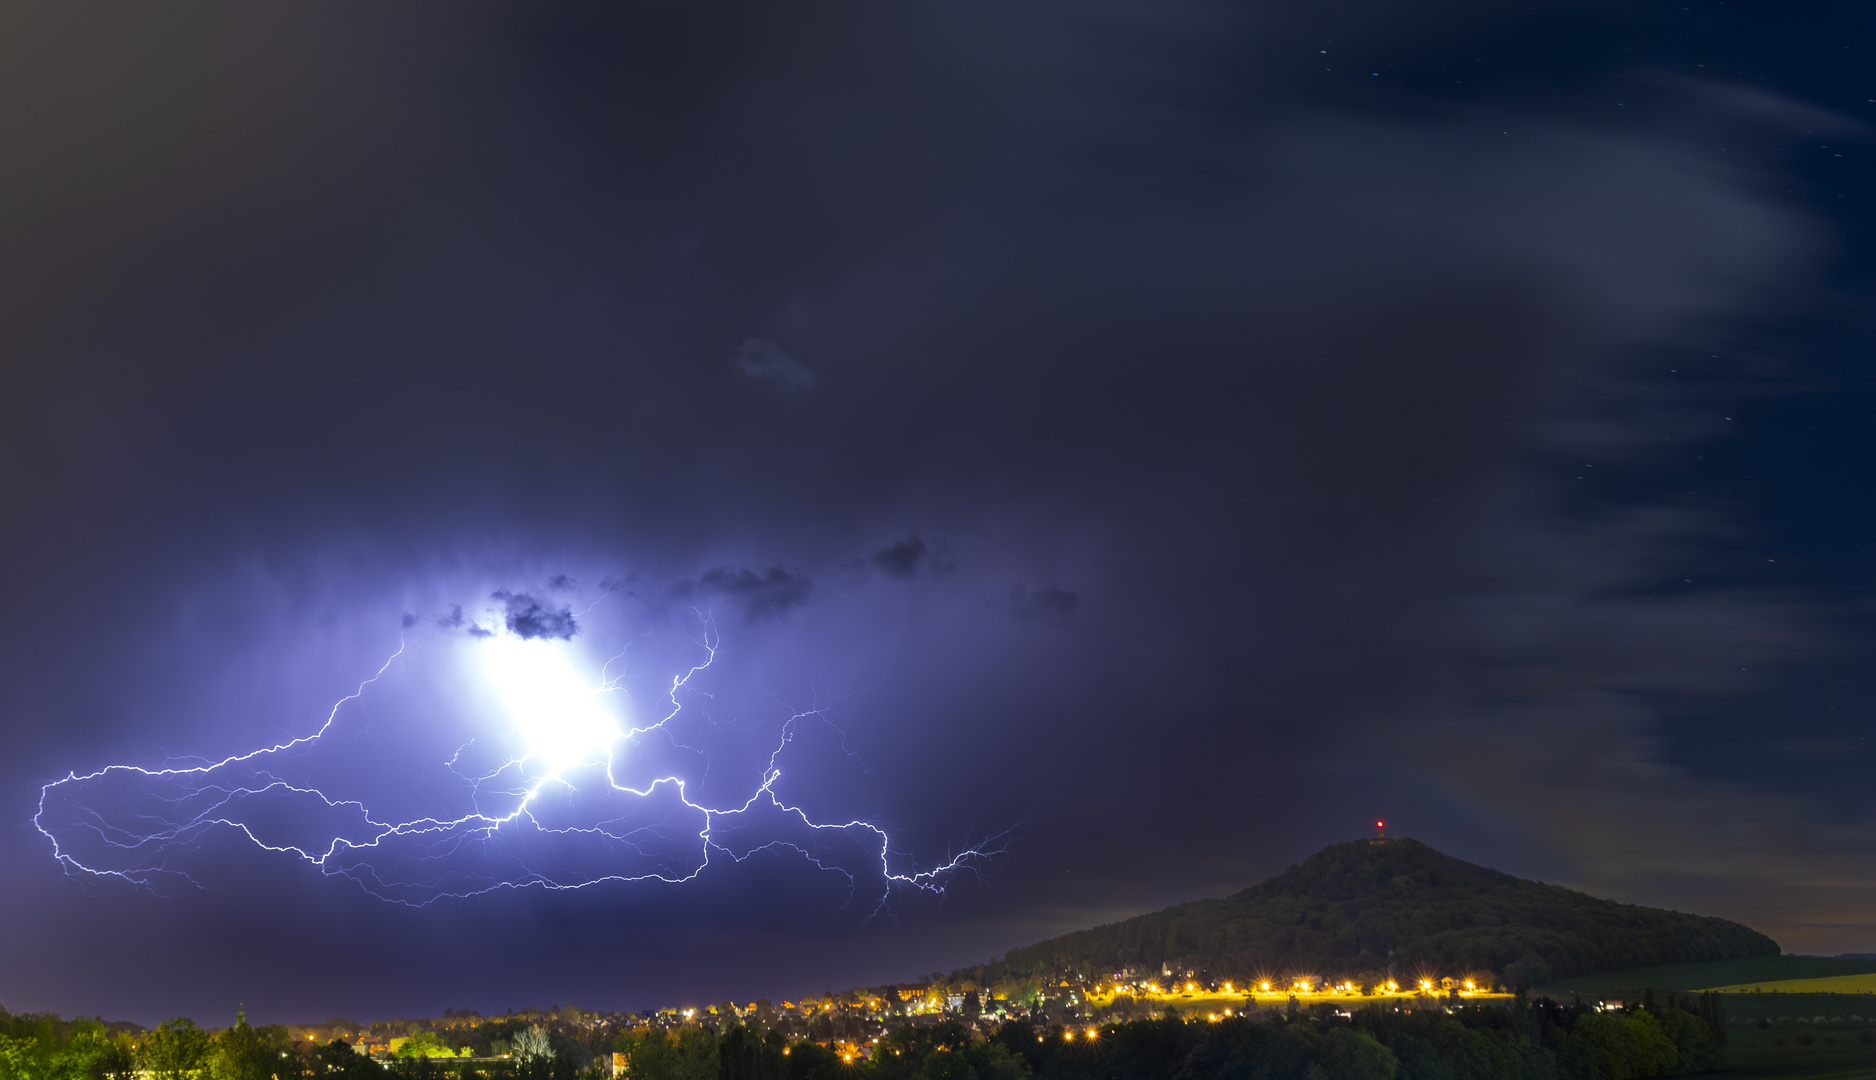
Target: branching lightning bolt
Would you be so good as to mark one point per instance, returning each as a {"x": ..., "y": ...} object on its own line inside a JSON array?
[{"x": 623, "y": 837}]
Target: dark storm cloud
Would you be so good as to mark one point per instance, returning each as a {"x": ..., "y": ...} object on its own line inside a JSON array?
[
  {"x": 901, "y": 559},
  {"x": 764, "y": 361},
  {"x": 763, "y": 596},
  {"x": 527, "y": 617}
]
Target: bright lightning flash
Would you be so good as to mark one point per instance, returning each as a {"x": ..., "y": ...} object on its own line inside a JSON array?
[
  {"x": 565, "y": 720},
  {"x": 550, "y": 812}
]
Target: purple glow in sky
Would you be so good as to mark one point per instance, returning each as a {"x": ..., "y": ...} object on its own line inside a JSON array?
[{"x": 538, "y": 768}]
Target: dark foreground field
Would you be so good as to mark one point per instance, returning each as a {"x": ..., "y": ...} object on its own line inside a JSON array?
[
  {"x": 1754, "y": 1055},
  {"x": 1690, "y": 977}
]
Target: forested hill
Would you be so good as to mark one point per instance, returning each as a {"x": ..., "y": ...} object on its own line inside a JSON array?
[{"x": 1390, "y": 908}]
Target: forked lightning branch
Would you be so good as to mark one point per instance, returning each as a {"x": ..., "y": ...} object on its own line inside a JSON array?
[{"x": 551, "y": 794}]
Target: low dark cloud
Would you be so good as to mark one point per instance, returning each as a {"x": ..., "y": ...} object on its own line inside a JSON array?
[
  {"x": 764, "y": 596},
  {"x": 764, "y": 361},
  {"x": 527, "y": 617},
  {"x": 901, "y": 559},
  {"x": 1047, "y": 604}
]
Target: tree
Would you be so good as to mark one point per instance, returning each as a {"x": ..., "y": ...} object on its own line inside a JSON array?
[
  {"x": 533, "y": 1046},
  {"x": 176, "y": 1050},
  {"x": 1650, "y": 1051},
  {"x": 648, "y": 1053},
  {"x": 992, "y": 1060},
  {"x": 811, "y": 1061},
  {"x": 338, "y": 1061},
  {"x": 1615, "y": 1047},
  {"x": 250, "y": 1053},
  {"x": 949, "y": 1065},
  {"x": 695, "y": 1055},
  {"x": 1695, "y": 1047},
  {"x": 94, "y": 1054},
  {"x": 1352, "y": 1055},
  {"x": 19, "y": 1057},
  {"x": 423, "y": 1044},
  {"x": 744, "y": 1055}
]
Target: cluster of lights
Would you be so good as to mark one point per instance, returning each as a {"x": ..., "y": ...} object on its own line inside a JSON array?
[{"x": 1302, "y": 986}]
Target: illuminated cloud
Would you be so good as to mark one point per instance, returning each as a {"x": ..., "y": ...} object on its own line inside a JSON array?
[{"x": 529, "y": 618}]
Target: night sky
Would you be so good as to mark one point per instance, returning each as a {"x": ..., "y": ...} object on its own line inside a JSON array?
[{"x": 1161, "y": 437}]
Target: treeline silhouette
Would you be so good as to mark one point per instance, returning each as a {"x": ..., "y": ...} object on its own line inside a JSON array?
[
  {"x": 1539, "y": 1040},
  {"x": 43, "y": 1047},
  {"x": 1375, "y": 909},
  {"x": 1527, "y": 1041}
]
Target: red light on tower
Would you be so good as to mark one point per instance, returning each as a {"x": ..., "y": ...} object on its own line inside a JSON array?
[{"x": 1380, "y": 827}]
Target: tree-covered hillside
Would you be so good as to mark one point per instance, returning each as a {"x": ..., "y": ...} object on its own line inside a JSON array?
[{"x": 1395, "y": 908}]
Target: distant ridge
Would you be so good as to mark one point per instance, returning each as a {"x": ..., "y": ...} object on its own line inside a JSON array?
[{"x": 1394, "y": 908}]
